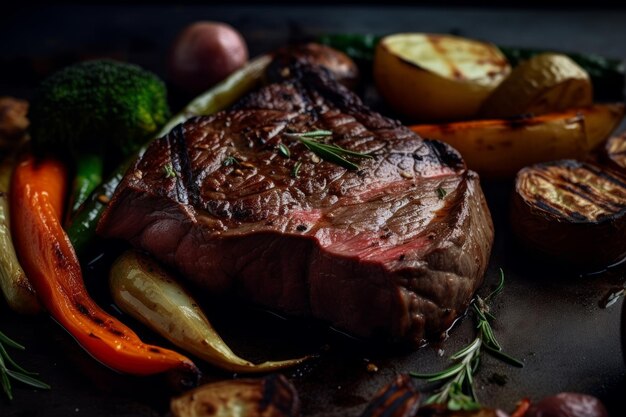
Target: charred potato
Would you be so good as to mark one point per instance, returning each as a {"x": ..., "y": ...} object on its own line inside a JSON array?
[
  {"x": 273, "y": 396},
  {"x": 572, "y": 212}
]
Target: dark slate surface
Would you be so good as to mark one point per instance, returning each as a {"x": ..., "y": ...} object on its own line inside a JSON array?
[{"x": 549, "y": 318}]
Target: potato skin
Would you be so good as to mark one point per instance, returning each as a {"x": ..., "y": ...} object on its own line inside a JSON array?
[
  {"x": 571, "y": 212},
  {"x": 205, "y": 53}
]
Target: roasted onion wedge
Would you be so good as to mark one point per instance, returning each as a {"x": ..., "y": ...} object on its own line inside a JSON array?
[{"x": 571, "y": 211}]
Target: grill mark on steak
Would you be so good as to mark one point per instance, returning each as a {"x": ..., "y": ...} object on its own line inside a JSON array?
[
  {"x": 187, "y": 188},
  {"x": 374, "y": 252}
]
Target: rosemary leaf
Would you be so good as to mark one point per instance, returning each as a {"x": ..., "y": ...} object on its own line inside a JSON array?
[
  {"x": 6, "y": 384},
  {"x": 28, "y": 380},
  {"x": 284, "y": 150},
  {"x": 458, "y": 391},
  {"x": 504, "y": 357},
  {"x": 446, "y": 373},
  {"x": 328, "y": 152},
  {"x": 466, "y": 350},
  {"x": 5, "y": 354},
  {"x": 296, "y": 169},
  {"x": 4, "y": 339},
  {"x": 441, "y": 193},
  {"x": 169, "y": 171},
  {"x": 230, "y": 160}
]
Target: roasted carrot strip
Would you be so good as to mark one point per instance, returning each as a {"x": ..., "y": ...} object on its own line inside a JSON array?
[{"x": 46, "y": 254}]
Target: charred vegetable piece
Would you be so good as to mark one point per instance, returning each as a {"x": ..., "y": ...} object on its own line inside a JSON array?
[
  {"x": 568, "y": 404},
  {"x": 615, "y": 149},
  {"x": 313, "y": 54},
  {"x": 398, "y": 399},
  {"x": 141, "y": 288},
  {"x": 16, "y": 287},
  {"x": 571, "y": 211},
  {"x": 607, "y": 74},
  {"x": 37, "y": 193},
  {"x": 82, "y": 230},
  {"x": 273, "y": 396},
  {"x": 498, "y": 148}
]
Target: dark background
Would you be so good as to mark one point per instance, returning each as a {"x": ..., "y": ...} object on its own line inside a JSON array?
[{"x": 548, "y": 317}]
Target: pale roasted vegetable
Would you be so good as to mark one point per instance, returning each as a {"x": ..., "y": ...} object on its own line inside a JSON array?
[
  {"x": 498, "y": 148},
  {"x": 571, "y": 212},
  {"x": 17, "y": 290},
  {"x": 543, "y": 84},
  {"x": 273, "y": 396},
  {"x": 141, "y": 288},
  {"x": 431, "y": 77}
]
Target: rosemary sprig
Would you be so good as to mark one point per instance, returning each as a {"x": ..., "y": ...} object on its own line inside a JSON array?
[
  {"x": 458, "y": 391},
  {"x": 17, "y": 373},
  {"x": 330, "y": 153},
  {"x": 169, "y": 171}
]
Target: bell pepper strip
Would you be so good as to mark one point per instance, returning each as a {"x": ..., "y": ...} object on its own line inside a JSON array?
[
  {"x": 145, "y": 291},
  {"x": 17, "y": 289},
  {"x": 37, "y": 191},
  {"x": 522, "y": 407}
]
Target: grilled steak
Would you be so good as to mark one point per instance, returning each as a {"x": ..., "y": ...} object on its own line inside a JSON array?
[{"x": 393, "y": 250}]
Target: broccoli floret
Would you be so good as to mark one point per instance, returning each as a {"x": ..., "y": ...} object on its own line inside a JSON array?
[{"x": 99, "y": 104}]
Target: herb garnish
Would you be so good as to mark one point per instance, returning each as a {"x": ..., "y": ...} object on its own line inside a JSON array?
[
  {"x": 231, "y": 160},
  {"x": 169, "y": 171},
  {"x": 458, "y": 392},
  {"x": 296, "y": 169},
  {"x": 284, "y": 150},
  {"x": 18, "y": 373},
  {"x": 330, "y": 153},
  {"x": 441, "y": 193}
]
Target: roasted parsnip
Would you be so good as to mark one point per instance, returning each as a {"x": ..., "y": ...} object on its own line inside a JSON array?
[
  {"x": 141, "y": 288},
  {"x": 18, "y": 291},
  {"x": 498, "y": 148}
]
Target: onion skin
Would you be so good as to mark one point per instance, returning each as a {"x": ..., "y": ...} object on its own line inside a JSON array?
[{"x": 560, "y": 211}]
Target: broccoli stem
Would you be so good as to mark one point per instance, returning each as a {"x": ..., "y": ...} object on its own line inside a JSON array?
[{"x": 89, "y": 168}]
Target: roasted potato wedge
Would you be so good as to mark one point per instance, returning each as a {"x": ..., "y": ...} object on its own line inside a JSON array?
[
  {"x": 572, "y": 212},
  {"x": 498, "y": 148},
  {"x": 431, "y": 77},
  {"x": 543, "y": 84}
]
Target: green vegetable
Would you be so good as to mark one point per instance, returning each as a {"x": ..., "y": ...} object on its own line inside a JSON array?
[
  {"x": 458, "y": 392},
  {"x": 143, "y": 289},
  {"x": 608, "y": 75},
  {"x": 82, "y": 229},
  {"x": 356, "y": 46},
  {"x": 97, "y": 107}
]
